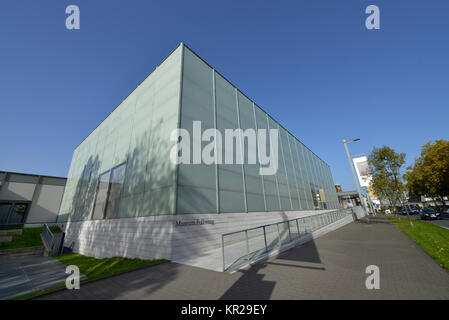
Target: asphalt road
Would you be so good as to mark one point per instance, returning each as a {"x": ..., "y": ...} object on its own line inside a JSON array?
[{"x": 444, "y": 223}]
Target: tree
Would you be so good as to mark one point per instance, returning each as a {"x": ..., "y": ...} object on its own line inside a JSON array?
[
  {"x": 382, "y": 188},
  {"x": 387, "y": 183},
  {"x": 430, "y": 173}
]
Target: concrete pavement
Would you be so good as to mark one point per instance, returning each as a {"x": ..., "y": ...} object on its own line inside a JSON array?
[
  {"x": 330, "y": 267},
  {"x": 19, "y": 276}
]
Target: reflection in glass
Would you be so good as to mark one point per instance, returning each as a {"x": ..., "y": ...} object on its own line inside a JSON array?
[
  {"x": 315, "y": 196},
  {"x": 115, "y": 189},
  {"x": 12, "y": 213},
  {"x": 102, "y": 194},
  {"x": 17, "y": 213},
  {"x": 4, "y": 212}
]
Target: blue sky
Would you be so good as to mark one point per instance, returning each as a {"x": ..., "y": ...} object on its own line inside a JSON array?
[{"x": 311, "y": 64}]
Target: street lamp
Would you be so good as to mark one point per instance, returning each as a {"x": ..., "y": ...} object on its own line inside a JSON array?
[{"x": 353, "y": 172}]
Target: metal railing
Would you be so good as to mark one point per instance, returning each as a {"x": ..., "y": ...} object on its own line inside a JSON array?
[
  {"x": 54, "y": 243},
  {"x": 241, "y": 247},
  {"x": 48, "y": 237}
]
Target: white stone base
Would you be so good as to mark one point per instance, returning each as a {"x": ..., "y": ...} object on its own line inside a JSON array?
[{"x": 158, "y": 236}]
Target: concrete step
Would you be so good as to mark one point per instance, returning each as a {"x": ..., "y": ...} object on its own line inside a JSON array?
[
  {"x": 5, "y": 238},
  {"x": 11, "y": 232},
  {"x": 22, "y": 252}
]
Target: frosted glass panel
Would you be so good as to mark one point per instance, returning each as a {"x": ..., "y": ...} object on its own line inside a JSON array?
[
  {"x": 197, "y": 191},
  {"x": 138, "y": 133},
  {"x": 230, "y": 176},
  {"x": 253, "y": 180}
]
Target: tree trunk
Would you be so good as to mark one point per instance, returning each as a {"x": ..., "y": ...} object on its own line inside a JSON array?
[
  {"x": 443, "y": 204},
  {"x": 393, "y": 206},
  {"x": 408, "y": 215}
]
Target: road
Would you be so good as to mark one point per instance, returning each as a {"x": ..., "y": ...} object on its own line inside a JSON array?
[{"x": 444, "y": 223}]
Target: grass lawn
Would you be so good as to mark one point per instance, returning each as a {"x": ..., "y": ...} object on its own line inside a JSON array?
[
  {"x": 94, "y": 268},
  {"x": 30, "y": 237},
  {"x": 432, "y": 238}
]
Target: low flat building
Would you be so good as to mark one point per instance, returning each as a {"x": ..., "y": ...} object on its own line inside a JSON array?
[
  {"x": 348, "y": 199},
  {"x": 29, "y": 200}
]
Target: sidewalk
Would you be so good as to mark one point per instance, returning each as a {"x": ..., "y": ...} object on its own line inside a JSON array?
[
  {"x": 330, "y": 267},
  {"x": 19, "y": 276}
]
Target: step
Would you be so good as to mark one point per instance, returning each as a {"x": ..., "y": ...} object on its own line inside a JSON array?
[
  {"x": 11, "y": 232},
  {"x": 5, "y": 238},
  {"x": 22, "y": 252}
]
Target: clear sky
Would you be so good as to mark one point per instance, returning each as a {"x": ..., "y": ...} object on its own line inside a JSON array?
[{"x": 311, "y": 64}]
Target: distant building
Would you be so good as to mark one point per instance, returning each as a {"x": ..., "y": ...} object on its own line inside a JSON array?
[
  {"x": 348, "y": 199},
  {"x": 424, "y": 201},
  {"x": 29, "y": 199}
]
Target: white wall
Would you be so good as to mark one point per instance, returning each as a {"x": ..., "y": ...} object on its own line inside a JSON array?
[
  {"x": 45, "y": 207},
  {"x": 17, "y": 191},
  {"x": 158, "y": 237}
]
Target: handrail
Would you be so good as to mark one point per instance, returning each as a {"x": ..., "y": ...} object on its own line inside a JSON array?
[
  {"x": 48, "y": 236},
  {"x": 310, "y": 223},
  {"x": 274, "y": 223}
]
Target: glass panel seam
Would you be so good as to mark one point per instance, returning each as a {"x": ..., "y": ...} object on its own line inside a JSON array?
[
  {"x": 217, "y": 196},
  {"x": 178, "y": 126},
  {"x": 258, "y": 151},
  {"x": 275, "y": 175},
  {"x": 241, "y": 149}
]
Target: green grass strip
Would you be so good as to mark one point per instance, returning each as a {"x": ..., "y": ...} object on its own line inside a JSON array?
[
  {"x": 94, "y": 268},
  {"x": 30, "y": 237},
  {"x": 432, "y": 238}
]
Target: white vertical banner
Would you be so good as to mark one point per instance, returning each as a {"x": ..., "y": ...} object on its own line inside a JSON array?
[{"x": 363, "y": 170}]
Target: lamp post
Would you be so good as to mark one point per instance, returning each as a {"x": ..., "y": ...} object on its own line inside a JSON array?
[{"x": 353, "y": 172}]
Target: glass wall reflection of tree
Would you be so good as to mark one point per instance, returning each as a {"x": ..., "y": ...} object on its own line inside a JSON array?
[
  {"x": 109, "y": 188},
  {"x": 318, "y": 196},
  {"x": 12, "y": 213}
]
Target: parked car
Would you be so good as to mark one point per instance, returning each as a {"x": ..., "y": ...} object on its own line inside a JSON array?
[
  {"x": 411, "y": 211},
  {"x": 430, "y": 214}
]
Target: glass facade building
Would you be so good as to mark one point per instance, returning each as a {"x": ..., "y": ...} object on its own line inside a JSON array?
[{"x": 123, "y": 168}]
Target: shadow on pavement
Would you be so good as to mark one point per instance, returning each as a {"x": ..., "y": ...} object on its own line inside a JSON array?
[{"x": 252, "y": 285}]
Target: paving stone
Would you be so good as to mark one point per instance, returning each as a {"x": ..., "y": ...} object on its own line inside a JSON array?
[{"x": 19, "y": 276}]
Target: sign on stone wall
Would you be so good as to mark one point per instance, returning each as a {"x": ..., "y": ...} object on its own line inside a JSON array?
[{"x": 194, "y": 222}]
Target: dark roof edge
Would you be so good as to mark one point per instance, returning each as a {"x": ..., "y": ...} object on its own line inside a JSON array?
[{"x": 32, "y": 175}]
